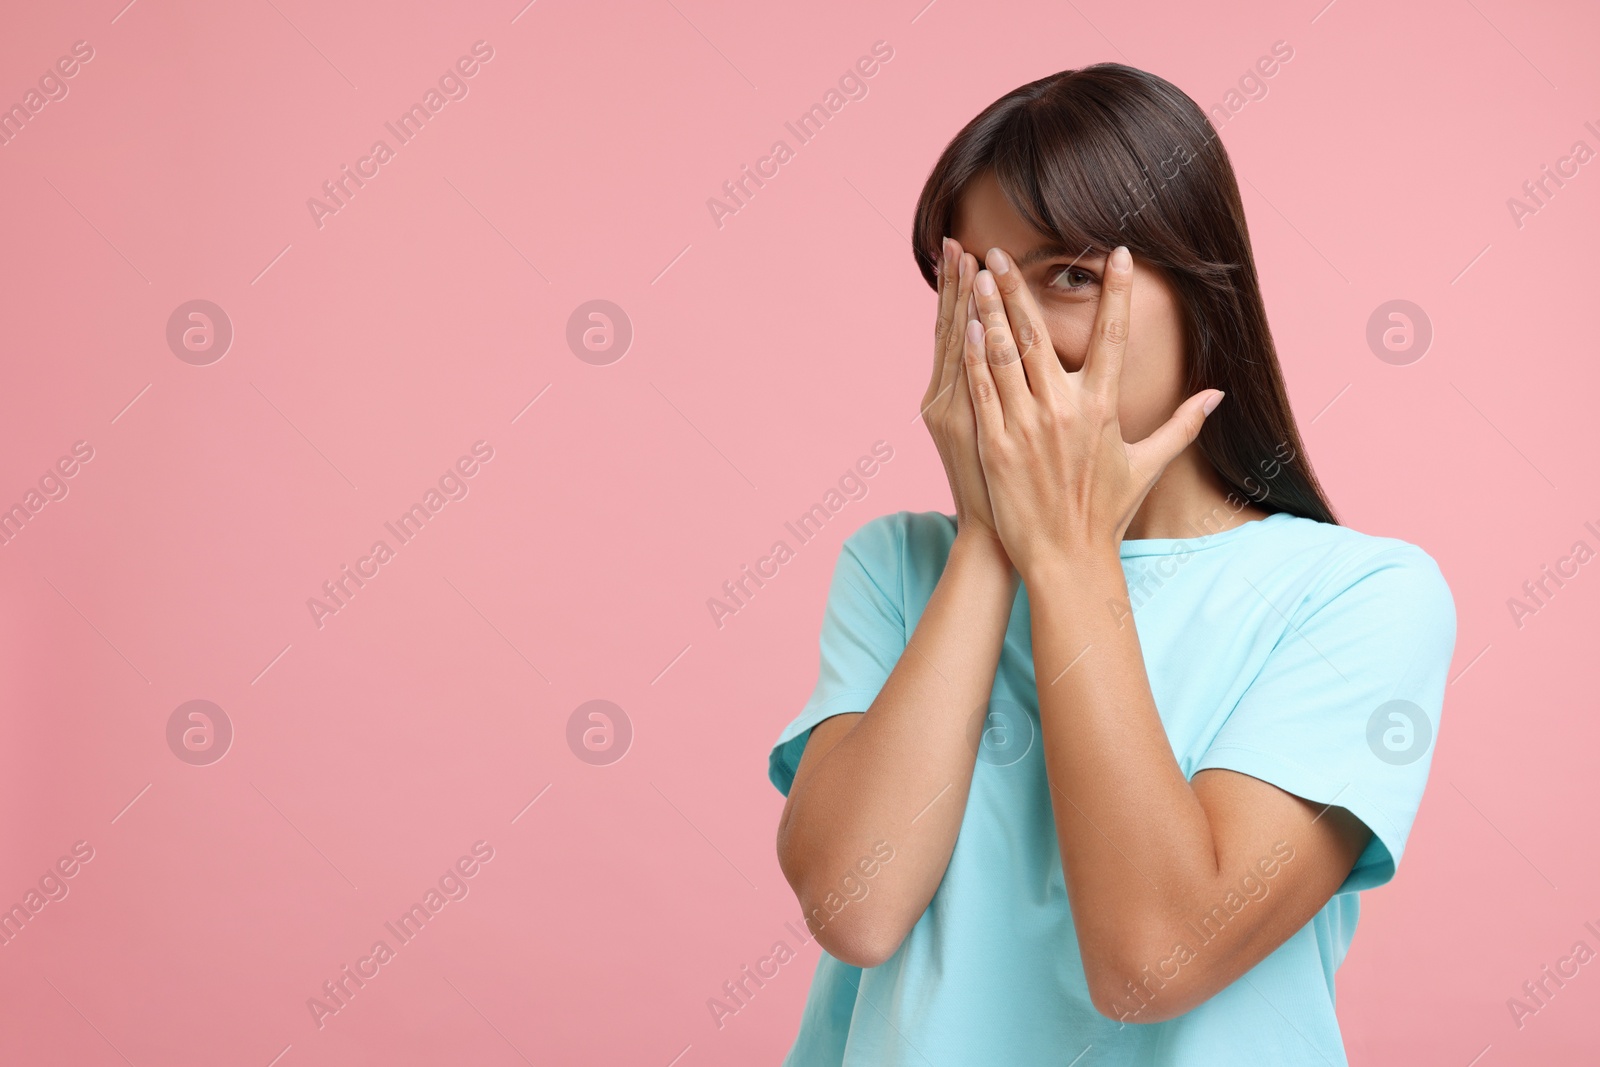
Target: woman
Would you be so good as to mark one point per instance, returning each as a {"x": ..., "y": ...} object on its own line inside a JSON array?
[{"x": 1095, "y": 767}]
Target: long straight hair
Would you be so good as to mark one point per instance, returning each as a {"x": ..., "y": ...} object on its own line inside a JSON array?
[{"x": 1108, "y": 155}]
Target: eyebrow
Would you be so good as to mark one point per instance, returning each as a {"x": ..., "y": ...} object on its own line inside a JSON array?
[{"x": 1048, "y": 251}]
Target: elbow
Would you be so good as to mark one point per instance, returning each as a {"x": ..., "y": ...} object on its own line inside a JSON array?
[
  {"x": 1129, "y": 984},
  {"x": 858, "y": 941},
  {"x": 1113, "y": 995},
  {"x": 1120, "y": 1003},
  {"x": 844, "y": 924},
  {"x": 847, "y": 929}
]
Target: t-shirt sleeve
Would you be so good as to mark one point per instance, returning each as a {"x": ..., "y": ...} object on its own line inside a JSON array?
[
  {"x": 1346, "y": 708},
  {"x": 863, "y": 636}
]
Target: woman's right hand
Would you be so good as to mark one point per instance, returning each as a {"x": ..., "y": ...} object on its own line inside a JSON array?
[{"x": 947, "y": 405}]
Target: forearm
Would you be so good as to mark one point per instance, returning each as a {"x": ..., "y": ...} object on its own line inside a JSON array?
[
  {"x": 901, "y": 774},
  {"x": 1136, "y": 843},
  {"x": 1156, "y": 875}
]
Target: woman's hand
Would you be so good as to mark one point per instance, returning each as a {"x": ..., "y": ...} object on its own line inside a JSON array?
[
  {"x": 947, "y": 405},
  {"x": 1062, "y": 482}
]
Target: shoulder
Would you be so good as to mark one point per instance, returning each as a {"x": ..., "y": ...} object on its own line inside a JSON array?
[
  {"x": 1385, "y": 570},
  {"x": 901, "y": 540},
  {"x": 902, "y": 554}
]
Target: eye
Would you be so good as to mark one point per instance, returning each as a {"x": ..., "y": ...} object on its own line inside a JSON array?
[{"x": 1075, "y": 277}]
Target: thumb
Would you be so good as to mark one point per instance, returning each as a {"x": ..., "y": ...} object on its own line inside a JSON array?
[{"x": 1178, "y": 432}]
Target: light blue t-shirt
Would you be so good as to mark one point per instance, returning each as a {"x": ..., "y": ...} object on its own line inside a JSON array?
[{"x": 1301, "y": 653}]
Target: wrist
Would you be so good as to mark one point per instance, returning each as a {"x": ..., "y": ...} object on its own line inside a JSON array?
[
  {"x": 982, "y": 552},
  {"x": 1058, "y": 562}
]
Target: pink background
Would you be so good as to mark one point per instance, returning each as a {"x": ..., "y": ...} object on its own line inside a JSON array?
[{"x": 768, "y": 354}]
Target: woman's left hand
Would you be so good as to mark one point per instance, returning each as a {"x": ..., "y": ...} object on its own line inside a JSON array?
[{"x": 1062, "y": 482}]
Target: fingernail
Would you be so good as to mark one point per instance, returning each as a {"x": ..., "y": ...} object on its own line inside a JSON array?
[
  {"x": 944, "y": 252},
  {"x": 985, "y": 283},
  {"x": 975, "y": 332},
  {"x": 1211, "y": 402},
  {"x": 1121, "y": 259},
  {"x": 997, "y": 261},
  {"x": 972, "y": 307}
]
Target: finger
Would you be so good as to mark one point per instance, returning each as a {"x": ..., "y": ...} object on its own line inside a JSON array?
[
  {"x": 1027, "y": 325},
  {"x": 986, "y": 403},
  {"x": 1102, "y": 366},
  {"x": 944, "y": 321},
  {"x": 1005, "y": 363},
  {"x": 960, "y": 390},
  {"x": 1151, "y": 456},
  {"x": 955, "y": 338}
]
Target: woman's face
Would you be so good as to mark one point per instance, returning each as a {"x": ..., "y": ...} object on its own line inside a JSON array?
[{"x": 1066, "y": 288}]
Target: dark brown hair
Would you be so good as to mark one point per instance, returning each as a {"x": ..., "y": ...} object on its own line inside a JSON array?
[{"x": 1108, "y": 155}]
